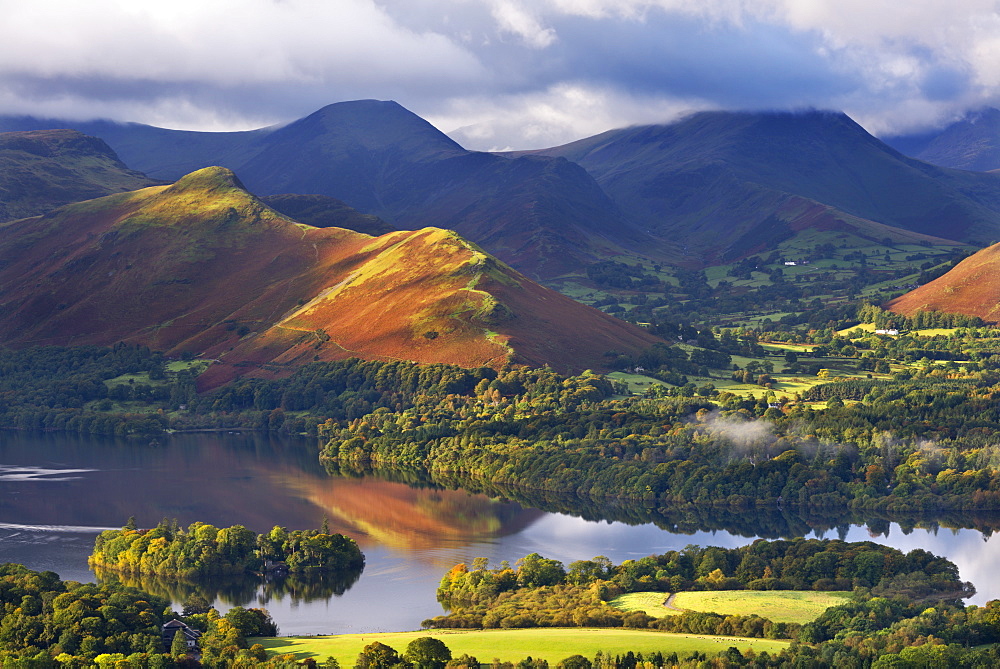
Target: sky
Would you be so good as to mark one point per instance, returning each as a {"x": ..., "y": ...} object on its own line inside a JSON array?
[{"x": 499, "y": 74}]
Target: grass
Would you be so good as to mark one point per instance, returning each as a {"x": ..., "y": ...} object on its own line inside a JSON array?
[
  {"x": 931, "y": 332},
  {"x": 550, "y": 644},
  {"x": 649, "y": 602},
  {"x": 196, "y": 366},
  {"x": 788, "y": 606},
  {"x": 637, "y": 383}
]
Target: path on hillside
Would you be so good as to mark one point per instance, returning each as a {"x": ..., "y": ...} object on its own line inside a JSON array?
[{"x": 669, "y": 603}]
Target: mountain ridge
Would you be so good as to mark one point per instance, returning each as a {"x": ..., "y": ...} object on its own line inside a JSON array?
[
  {"x": 202, "y": 266},
  {"x": 44, "y": 169},
  {"x": 970, "y": 143},
  {"x": 543, "y": 215},
  {"x": 715, "y": 176}
]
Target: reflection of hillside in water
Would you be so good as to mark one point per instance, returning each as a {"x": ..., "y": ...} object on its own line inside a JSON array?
[{"x": 380, "y": 512}]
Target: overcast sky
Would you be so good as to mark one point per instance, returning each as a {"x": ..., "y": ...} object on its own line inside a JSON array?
[{"x": 498, "y": 73}]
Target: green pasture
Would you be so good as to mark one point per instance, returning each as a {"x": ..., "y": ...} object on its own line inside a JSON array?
[
  {"x": 637, "y": 383},
  {"x": 932, "y": 332},
  {"x": 801, "y": 349},
  {"x": 196, "y": 366},
  {"x": 783, "y": 606},
  {"x": 550, "y": 644}
]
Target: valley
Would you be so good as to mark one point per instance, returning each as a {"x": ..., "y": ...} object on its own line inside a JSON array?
[{"x": 748, "y": 325}]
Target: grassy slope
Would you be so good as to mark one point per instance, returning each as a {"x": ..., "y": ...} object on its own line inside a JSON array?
[
  {"x": 44, "y": 169},
  {"x": 203, "y": 266},
  {"x": 792, "y": 606},
  {"x": 971, "y": 287},
  {"x": 548, "y": 644}
]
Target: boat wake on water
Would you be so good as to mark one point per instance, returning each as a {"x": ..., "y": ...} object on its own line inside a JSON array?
[
  {"x": 81, "y": 529},
  {"x": 22, "y": 473}
]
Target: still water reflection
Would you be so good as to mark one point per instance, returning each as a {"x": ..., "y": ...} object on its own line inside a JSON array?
[{"x": 58, "y": 491}]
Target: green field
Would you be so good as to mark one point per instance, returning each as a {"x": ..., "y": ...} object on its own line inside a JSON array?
[
  {"x": 782, "y": 606},
  {"x": 551, "y": 644},
  {"x": 637, "y": 383}
]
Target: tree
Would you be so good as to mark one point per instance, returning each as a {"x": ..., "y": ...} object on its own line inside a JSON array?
[
  {"x": 252, "y": 622},
  {"x": 377, "y": 655},
  {"x": 196, "y": 604},
  {"x": 464, "y": 661},
  {"x": 179, "y": 647},
  {"x": 426, "y": 652},
  {"x": 534, "y": 570}
]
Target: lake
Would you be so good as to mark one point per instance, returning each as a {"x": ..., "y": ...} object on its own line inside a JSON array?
[{"x": 57, "y": 491}]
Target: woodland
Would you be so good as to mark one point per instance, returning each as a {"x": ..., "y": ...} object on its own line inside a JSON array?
[{"x": 202, "y": 550}]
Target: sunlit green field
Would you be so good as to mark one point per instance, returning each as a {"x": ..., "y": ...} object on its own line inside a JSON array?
[
  {"x": 783, "y": 606},
  {"x": 548, "y": 644}
]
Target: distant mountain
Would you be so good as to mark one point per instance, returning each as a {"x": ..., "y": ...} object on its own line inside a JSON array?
[
  {"x": 725, "y": 184},
  {"x": 321, "y": 211},
  {"x": 546, "y": 216},
  {"x": 45, "y": 169},
  {"x": 972, "y": 143},
  {"x": 204, "y": 266},
  {"x": 972, "y": 288},
  {"x": 157, "y": 152}
]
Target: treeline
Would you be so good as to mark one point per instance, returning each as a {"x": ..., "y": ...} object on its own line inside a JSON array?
[
  {"x": 49, "y": 388},
  {"x": 540, "y": 592},
  {"x": 205, "y": 550},
  {"x": 536, "y": 429},
  {"x": 926, "y": 442},
  {"x": 869, "y": 313},
  {"x": 920, "y": 653},
  {"x": 568, "y": 605}
]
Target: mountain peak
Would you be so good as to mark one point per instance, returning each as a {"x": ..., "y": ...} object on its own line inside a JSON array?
[
  {"x": 209, "y": 178},
  {"x": 52, "y": 143},
  {"x": 373, "y": 124},
  {"x": 971, "y": 143}
]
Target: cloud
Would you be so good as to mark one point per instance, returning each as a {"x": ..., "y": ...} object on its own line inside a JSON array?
[
  {"x": 557, "y": 115},
  {"x": 516, "y": 19},
  {"x": 500, "y": 72},
  {"x": 244, "y": 55}
]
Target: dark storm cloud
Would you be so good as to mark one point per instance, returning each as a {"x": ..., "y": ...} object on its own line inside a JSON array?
[
  {"x": 504, "y": 72},
  {"x": 749, "y": 66}
]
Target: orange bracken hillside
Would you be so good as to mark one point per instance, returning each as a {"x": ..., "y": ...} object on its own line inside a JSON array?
[
  {"x": 202, "y": 266},
  {"x": 972, "y": 288}
]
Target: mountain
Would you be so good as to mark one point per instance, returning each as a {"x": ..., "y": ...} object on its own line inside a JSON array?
[
  {"x": 44, "y": 169},
  {"x": 321, "y": 211},
  {"x": 160, "y": 153},
  {"x": 546, "y": 216},
  {"x": 972, "y": 143},
  {"x": 972, "y": 288},
  {"x": 203, "y": 266},
  {"x": 726, "y": 184}
]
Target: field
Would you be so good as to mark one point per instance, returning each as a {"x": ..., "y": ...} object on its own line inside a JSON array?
[
  {"x": 548, "y": 644},
  {"x": 789, "y": 606},
  {"x": 637, "y": 383}
]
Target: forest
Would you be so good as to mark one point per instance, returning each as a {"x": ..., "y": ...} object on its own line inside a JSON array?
[
  {"x": 202, "y": 550},
  {"x": 919, "y": 438}
]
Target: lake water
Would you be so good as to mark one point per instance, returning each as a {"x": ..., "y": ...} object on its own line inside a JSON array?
[{"x": 58, "y": 491}]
